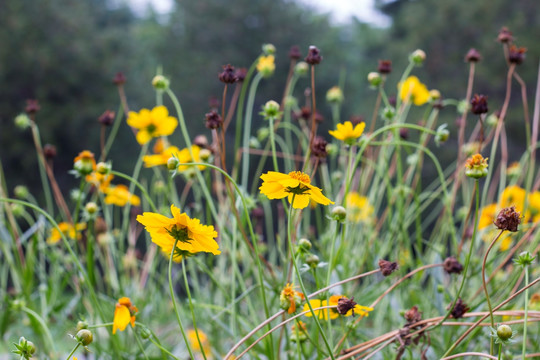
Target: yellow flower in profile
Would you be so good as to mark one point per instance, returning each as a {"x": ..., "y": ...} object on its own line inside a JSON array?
[
  {"x": 266, "y": 65},
  {"x": 124, "y": 314},
  {"x": 194, "y": 343},
  {"x": 346, "y": 133},
  {"x": 192, "y": 236},
  {"x": 333, "y": 313},
  {"x": 68, "y": 230},
  {"x": 160, "y": 158},
  {"x": 119, "y": 195},
  {"x": 413, "y": 89},
  {"x": 84, "y": 163},
  {"x": 358, "y": 208},
  {"x": 152, "y": 123},
  {"x": 99, "y": 181},
  {"x": 295, "y": 184},
  {"x": 184, "y": 157}
]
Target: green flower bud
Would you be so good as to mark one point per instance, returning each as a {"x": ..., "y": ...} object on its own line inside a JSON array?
[
  {"x": 91, "y": 208},
  {"x": 205, "y": 154},
  {"x": 172, "y": 163},
  {"x": 262, "y": 134},
  {"x": 388, "y": 113},
  {"x": 160, "y": 82},
  {"x": 335, "y": 95},
  {"x": 84, "y": 337},
  {"x": 270, "y": 110},
  {"x": 301, "y": 69},
  {"x": 254, "y": 143},
  {"x": 524, "y": 259},
  {"x": 374, "y": 79},
  {"x": 339, "y": 213},
  {"x": 312, "y": 260},
  {"x": 442, "y": 134},
  {"x": 462, "y": 106},
  {"x": 144, "y": 332},
  {"x": 82, "y": 325},
  {"x": 22, "y": 121},
  {"x": 332, "y": 149},
  {"x": 269, "y": 49},
  {"x": 21, "y": 192},
  {"x": 304, "y": 245},
  {"x": 504, "y": 332},
  {"x": 103, "y": 168},
  {"x": 418, "y": 57},
  {"x": 17, "y": 210}
]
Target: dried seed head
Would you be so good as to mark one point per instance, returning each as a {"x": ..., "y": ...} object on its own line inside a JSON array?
[
  {"x": 387, "y": 267},
  {"x": 107, "y": 118},
  {"x": 505, "y": 36},
  {"x": 240, "y": 74},
  {"x": 294, "y": 53},
  {"x": 459, "y": 309},
  {"x": 345, "y": 305},
  {"x": 452, "y": 266},
  {"x": 385, "y": 67},
  {"x": 516, "y": 55},
  {"x": 32, "y": 106},
  {"x": 228, "y": 75},
  {"x": 356, "y": 119},
  {"x": 413, "y": 315},
  {"x": 119, "y": 79},
  {"x": 318, "y": 148},
  {"x": 473, "y": 55},
  {"x": 304, "y": 114},
  {"x": 508, "y": 219},
  {"x": 49, "y": 151},
  {"x": 314, "y": 56},
  {"x": 404, "y": 133},
  {"x": 213, "y": 120},
  {"x": 479, "y": 104}
]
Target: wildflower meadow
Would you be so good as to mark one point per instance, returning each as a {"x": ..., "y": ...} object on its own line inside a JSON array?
[{"x": 276, "y": 234}]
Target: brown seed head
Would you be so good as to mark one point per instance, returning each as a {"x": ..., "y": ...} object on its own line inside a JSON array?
[
  {"x": 314, "y": 56},
  {"x": 385, "y": 67},
  {"x": 107, "y": 118},
  {"x": 213, "y": 102},
  {"x": 100, "y": 226},
  {"x": 479, "y": 104},
  {"x": 404, "y": 133},
  {"x": 516, "y": 55},
  {"x": 452, "y": 266},
  {"x": 413, "y": 315},
  {"x": 508, "y": 219},
  {"x": 201, "y": 141},
  {"x": 318, "y": 117},
  {"x": 304, "y": 114},
  {"x": 356, "y": 119},
  {"x": 294, "y": 53},
  {"x": 387, "y": 267},
  {"x": 505, "y": 36},
  {"x": 213, "y": 120},
  {"x": 32, "y": 106},
  {"x": 473, "y": 55},
  {"x": 119, "y": 79},
  {"x": 240, "y": 74},
  {"x": 460, "y": 308},
  {"x": 344, "y": 305},
  {"x": 228, "y": 75},
  {"x": 49, "y": 151},
  {"x": 318, "y": 148}
]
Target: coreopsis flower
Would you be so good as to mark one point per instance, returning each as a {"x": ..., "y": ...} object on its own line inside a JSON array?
[
  {"x": 68, "y": 230},
  {"x": 161, "y": 156},
  {"x": 99, "y": 181},
  {"x": 290, "y": 299},
  {"x": 413, "y": 90},
  {"x": 191, "y": 236},
  {"x": 358, "y": 208},
  {"x": 184, "y": 157},
  {"x": 124, "y": 314},
  {"x": 152, "y": 123},
  {"x": 84, "y": 163},
  {"x": 119, "y": 195},
  {"x": 194, "y": 343},
  {"x": 476, "y": 166},
  {"x": 347, "y": 133},
  {"x": 512, "y": 196},
  {"x": 487, "y": 215},
  {"x": 295, "y": 184},
  {"x": 333, "y": 313},
  {"x": 266, "y": 65}
]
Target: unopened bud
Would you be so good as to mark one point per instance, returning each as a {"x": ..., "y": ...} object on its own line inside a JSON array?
[
  {"x": 301, "y": 69},
  {"x": 84, "y": 337},
  {"x": 160, "y": 82},
  {"x": 339, "y": 213},
  {"x": 269, "y": 49},
  {"x": 374, "y": 78},
  {"x": 172, "y": 163},
  {"x": 304, "y": 244},
  {"x": 418, "y": 57},
  {"x": 22, "y": 121}
]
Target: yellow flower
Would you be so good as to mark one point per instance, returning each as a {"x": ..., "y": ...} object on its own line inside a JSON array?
[
  {"x": 152, "y": 123},
  {"x": 124, "y": 314},
  {"x": 295, "y": 184},
  {"x": 413, "y": 88},
  {"x": 68, "y": 230},
  {"x": 266, "y": 65},
  {"x": 119, "y": 195},
  {"x": 194, "y": 343},
  {"x": 534, "y": 205},
  {"x": 99, "y": 181},
  {"x": 84, "y": 163},
  {"x": 345, "y": 132},
  {"x": 184, "y": 157},
  {"x": 160, "y": 158},
  {"x": 358, "y": 208},
  {"x": 487, "y": 216},
  {"x": 192, "y": 236},
  {"x": 513, "y": 195},
  {"x": 333, "y": 313}
]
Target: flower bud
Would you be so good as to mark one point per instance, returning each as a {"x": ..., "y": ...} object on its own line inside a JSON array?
[
  {"x": 334, "y": 95},
  {"x": 339, "y": 213},
  {"x": 434, "y": 95},
  {"x": 301, "y": 69},
  {"x": 418, "y": 57},
  {"x": 374, "y": 79},
  {"x": 270, "y": 110},
  {"x": 262, "y": 134},
  {"x": 304, "y": 244},
  {"x": 22, "y": 121},
  {"x": 103, "y": 168},
  {"x": 504, "y": 332},
  {"x": 312, "y": 260},
  {"x": 269, "y": 49},
  {"x": 254, "y": 143},
  {"x": 107, "y": 118},
  {"x": 525, "y": 259},
  {"x": 144, "y": 332},
  {"x": 21, "y": 191},
  {"x": 82, "y": 325},
  {"x": 172, "y": 163},
  {"x": 84, "y": 337},
  {"x": 205, "y": 154},
  {"x": 91, "y": 208},
  {"x": 17, "y": 210},
  {"x": 213, "y": 120},
  {"x": 228, "y": 75},
  {"x": 160, "y": 82},
  {"x": 332, "y": 149},
  {"x": 388, "y": 113},
  {"x": 442, "y": 134},
  {"x": 493, "y": 119}
]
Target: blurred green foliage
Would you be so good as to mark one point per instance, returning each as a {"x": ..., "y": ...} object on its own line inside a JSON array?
[{"x": 64, "y": 54}]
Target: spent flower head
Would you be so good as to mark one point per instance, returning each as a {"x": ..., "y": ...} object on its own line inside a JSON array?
[
  {"x": 476, "y": 166},
  {"x": 508, "y": 219},
  {"x": 314, "y": 56},
  {"x": 524, "y": 259}
]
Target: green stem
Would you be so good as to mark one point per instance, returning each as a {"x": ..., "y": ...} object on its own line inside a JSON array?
[
  {"x": 78, "y": 202},
  {"x": 523, "y": 346},
  {"x": 273, "y": 144},
  {"x": 90, "y": 253},
  {"x": 299, "y": 276},
  {"x": 47, "y": 333},
  {"x": 139, "y": 186},
  {"x": 139, "y": 344},
  {"x": 171, "y": 290},
  {"x": 73, "y": 351},
  {"x": 114, "y": 131},
  {"x": 42, "y": 172},
  {"x": 247, "y": 130},
  {"x": 186, "y": 284},
  {"x": 500, "y": 352}
]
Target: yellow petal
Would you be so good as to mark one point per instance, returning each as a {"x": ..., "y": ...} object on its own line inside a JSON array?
[{"x": 122, "y": 317}]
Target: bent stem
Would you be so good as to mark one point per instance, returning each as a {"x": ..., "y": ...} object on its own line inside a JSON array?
[
  {"x": 484, "y": 285},
  {"x": 191, "y": 307},
  {"x": 73, "y": 351},
  {"x": 299, "y": 276},
  {"x": 171, "y": 290}
]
